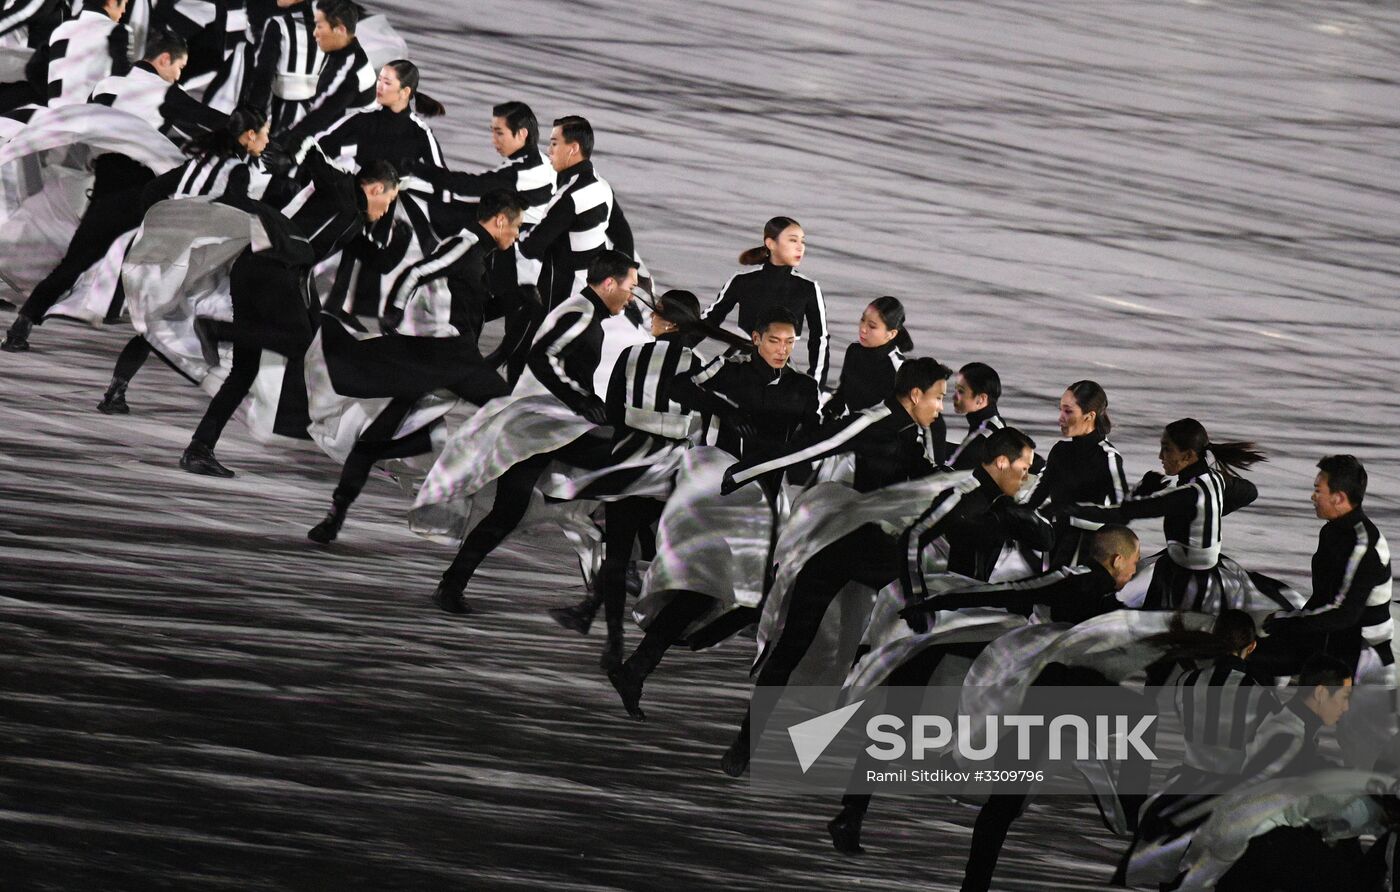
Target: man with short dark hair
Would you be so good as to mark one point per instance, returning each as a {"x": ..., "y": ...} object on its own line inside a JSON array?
[
  {"x": 514, "y": 277},
  {"x": 582, "y": 219},
  {"x": 271, "y": 289},
  {"x": 1351, "y": 588},
  {"x": 561, "y": 368},
  {"x": 346, "y": 81}
]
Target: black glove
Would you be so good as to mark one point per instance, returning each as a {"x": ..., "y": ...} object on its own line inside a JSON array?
[
  {"x": 728, "y": 485},
  {"x": 595, "y": 413},
  {"x": 391, "y": 320},
  {"x": 276, "y": 160},
  {"x": 739, "y": 424}
]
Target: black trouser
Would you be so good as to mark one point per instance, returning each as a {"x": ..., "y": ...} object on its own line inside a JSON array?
[
  {"x": 1002, "y": 809},
  {"x": 105, "y": 220},
  {"x": 376, "y": 444},
  {"x": 269, "y": 310},
  {"x": 623, "y": 522},
  {"x": 246, "y": 361},
  {"x": 666, "y": 628},
  {"x": 132, "y": 357},
  {"x": 513, "y": 491},
  {"x": 867, "y": 555},
  {"x": 910, "y": 678}
]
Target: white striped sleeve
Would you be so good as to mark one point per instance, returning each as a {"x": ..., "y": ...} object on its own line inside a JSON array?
[
  {"x": 826, "y": 446},
  {"x": 429, "y": 268}
]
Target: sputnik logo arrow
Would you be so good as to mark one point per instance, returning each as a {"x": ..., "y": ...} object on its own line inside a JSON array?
[{"x": 811, "y": 738}]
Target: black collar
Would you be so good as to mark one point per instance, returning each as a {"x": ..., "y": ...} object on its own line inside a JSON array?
[
  {"x": 1348, "y": 520},
  {"x": 1198, "y": 468},
  {"x": 899, "y": 413},
  {"x": 1312, "y": 722},
  {"x": 482, "y": 236},
  {"x": 524, "y": 151},
  {"x": 583, "y": 167},
  {"x": 766, "y": 371},
  {"x": 772, "y": 269},
  {"x": 987, "y": 483},
  {"x": 1091, "y": 437},
  {"x": 975, "y": 419},
  {"x": 597, "y": 301}
]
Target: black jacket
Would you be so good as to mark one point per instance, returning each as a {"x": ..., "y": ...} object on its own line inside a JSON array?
[
  {"x": 756, "y": 290},
  {"x": 867, "y": 379},
  {"x": 566, "y": 352},
  {"x": 888, "y": 445},
  {"x": 777, "y": 403}
]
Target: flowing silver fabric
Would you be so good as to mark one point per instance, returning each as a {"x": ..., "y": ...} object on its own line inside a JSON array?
[
  {"x": 822, "y": 514},
  {"x": 45, "y": 178},
  {"x": 380, "y": 41},
  {"x": 177, "y": 269},
  {"x": 1113, "y": 644},
  {"x": 1330, "y": 801},
  {"x": 708, "y": 543}
]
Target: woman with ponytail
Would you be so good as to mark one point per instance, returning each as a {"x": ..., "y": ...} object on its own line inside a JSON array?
[
  {"x": 1201, "y": 483},
  {"x": 867, "y": 372},
  {"x": 1082, "y": 468},
  {"x": 394, "y": 129},
  {"x": 651, "y": 422},
  {"x": 777, "y": 283}
]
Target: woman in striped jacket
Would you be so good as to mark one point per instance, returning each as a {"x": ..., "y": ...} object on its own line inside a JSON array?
[{"x": 1192, "y": 498}]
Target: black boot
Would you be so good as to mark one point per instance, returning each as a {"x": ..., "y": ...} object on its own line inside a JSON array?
[
  {"x": 634, "y": 579},
  {"x": 627, "y": 681},
  {"x": 845, "y": 828},
  {"x": 114, "y": 400},
  {"x": 326, "y": 531},
  {"x": 451, "y": 601},
  {"x": 17, "y": 338},
  {"x": 612, "y": 648},
  {"x": 579, "y": 617},
  {"x": 199, "y": 459}
]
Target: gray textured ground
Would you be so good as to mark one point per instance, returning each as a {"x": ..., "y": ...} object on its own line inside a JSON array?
[{"x": 1194, "y": 204}]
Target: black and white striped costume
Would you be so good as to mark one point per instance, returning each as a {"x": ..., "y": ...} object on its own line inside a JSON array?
[
  {"x": 150, "y": 97},
  {"x": 947, "y": 537},
  {"x": 581, "y": 220},
  {"x": 980, "y": 424},
  {"x": 82, "y": 51},
  {"x": 16, "y": 17},
  {"x": 1221, "y": 707},
  {"x": 345, "y": 84},
  {"x": 1191, "y": 506},
  {"x": 286, "y": 67}
]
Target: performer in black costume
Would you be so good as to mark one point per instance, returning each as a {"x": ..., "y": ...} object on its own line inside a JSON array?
[
  {"x": 1191, "y": 500},
  {"x": 514, "y": 277},
  {"x": 225, "y": 162},
  {"x": 1069, "y": 594},
  {"x": 650, "y": 402},
  {"x": 1084, "y": 467},
  {"x": 150, "y": 91},
  {"x": 272, "y": 300},
  {"x": 415, "y": 366},
  {"x": 1351, "y": 588},
  {"x": 346, "y": 80},
  {"x": 394, "y": 129},
  {"x": 287, "y": 65},
  {"x": 975, "y": 396},
  {"x": 889, "y": 445},
  {"x": 777, "y": 282},
  {"x": 563, "y": 360}
]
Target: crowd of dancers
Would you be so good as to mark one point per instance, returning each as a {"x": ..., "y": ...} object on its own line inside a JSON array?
[{"x": 262, "y": 180}]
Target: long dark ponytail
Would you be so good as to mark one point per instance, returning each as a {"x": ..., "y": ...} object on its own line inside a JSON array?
[
  {"x": 223, "y": 143},
  {"x": 408, "y": 76},
  {"x": 771, "y": 230},
  {"x": 1233, "y": 632},
  {"x": 892, "y": 314},
  {"x": 682, "y": 309},
  {"x": 1229, "y": 458},
  {"x": 1090, "y": 397}
]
